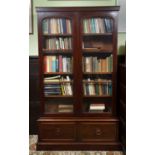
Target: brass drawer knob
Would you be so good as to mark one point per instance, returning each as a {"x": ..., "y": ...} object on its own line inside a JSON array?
[
  {"x": 98, "y": 132},
  {"x": 58, "y": 131}
]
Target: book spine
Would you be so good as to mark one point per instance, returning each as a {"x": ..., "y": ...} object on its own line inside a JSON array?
[
  {"x": 53, "y": 63},
  {"x": 60, "y": 63},
  {"x": 64, "y": 25},
  {"x": 45, "y": 64},
  {"x": 61, "y": 26},
  {"x": 57, "y": 64}
]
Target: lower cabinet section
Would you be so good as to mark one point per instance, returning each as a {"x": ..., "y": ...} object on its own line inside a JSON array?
[{"x": 78, "y": 134}]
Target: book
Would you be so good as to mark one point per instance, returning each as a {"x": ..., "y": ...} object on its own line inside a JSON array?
[
  {"x": 69, "y": 88},
  {"x": 53, "y": 77},
  {"x": 65, "y": 108},
  {"x": 97, "y": 106},
  {"x": 45, "y": 26}
]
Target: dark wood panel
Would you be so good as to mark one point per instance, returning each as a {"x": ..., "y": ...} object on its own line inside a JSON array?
[
  {"x": 122, "y": 99},
  {"x": 122, "y": 92},
  {"x": 34, "y": 104}
]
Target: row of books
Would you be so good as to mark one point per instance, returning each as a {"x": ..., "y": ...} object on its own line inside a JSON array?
[
  {"x": 59, "y": 108},
  {"x": 58, "y": 43},
  {"x": 57, "y": 85},
  {"x": 57, "y": 64},
  {"x": 97, "y": 87},
  {"x": 97, "y": 25},
  {"x": 96, "y": 64},
  {"x": 57, "y": 26}
]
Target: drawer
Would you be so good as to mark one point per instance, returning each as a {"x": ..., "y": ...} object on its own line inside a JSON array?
[
  {"x": 57, "y": 131},
  {"x": 98, "y": 131}
]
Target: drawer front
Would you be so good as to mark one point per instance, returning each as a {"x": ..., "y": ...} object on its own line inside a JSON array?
[
  {"x": 98, "y": 132},
  {"x": 57, "y": 132}
]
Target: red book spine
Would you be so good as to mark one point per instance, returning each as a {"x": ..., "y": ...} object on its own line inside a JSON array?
[{"x": 60, "y": 63}]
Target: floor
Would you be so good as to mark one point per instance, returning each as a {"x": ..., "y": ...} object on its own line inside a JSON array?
[{"x": 32, "y": 146}]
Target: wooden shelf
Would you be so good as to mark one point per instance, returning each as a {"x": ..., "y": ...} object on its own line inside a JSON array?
[
  {"x": 95, "y": 96},
  {"x": 59, "y": 82},
  {"x": 96, "y": 50},
  {"x": 60, "y": 51},
  {"x": 57, "y": 35},
  {"x": 96, "y": 73},
  {"x": 98, "y": 82},
  {"x": 96, "y": 34},
  {"x": 104, "y": 112},
  {"x": 59, "y": 96},
  {"x": 58, "y": 73}
]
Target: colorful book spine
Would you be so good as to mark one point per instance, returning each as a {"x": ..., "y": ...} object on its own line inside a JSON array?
[{"x": 53, "y": 63}]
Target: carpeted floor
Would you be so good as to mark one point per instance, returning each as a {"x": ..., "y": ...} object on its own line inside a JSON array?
[{"x": 32, "y": 146}]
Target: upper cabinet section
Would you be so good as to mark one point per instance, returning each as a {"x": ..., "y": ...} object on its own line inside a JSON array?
[{"x": 97, "y": 33}]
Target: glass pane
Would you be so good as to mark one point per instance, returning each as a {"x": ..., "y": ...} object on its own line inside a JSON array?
[{"x": 57, "y": 65}]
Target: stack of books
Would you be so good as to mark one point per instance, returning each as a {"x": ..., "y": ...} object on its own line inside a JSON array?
[
  {"x": 58, "y": 43},
  {"x": 98, "y": 25},
  {"x": 96, "y": 107},
  {"x": 51, "y": 108},
  {"x": 96, "y": 64},
  {"x": 97, "y": 87},
  {"x": 57, "y": 85},
  {"x": 57, "y": 64},
  {"x": 65, "y": 108},
  {"x": 56, "y": 26}
]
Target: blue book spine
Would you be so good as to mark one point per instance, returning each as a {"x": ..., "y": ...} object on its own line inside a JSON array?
[
  {"x": 64, "y": 25},
  {"x": 111, "y": 25},
  {"x": 110, "y": 88},
  {"x": 106, "y": 25},
  {"x": 87, "y": 89}
]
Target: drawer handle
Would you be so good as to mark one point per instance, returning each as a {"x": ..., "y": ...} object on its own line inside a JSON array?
[
  {"x": 98, "y": 132},
  {"x": 58, "y": 131}
]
